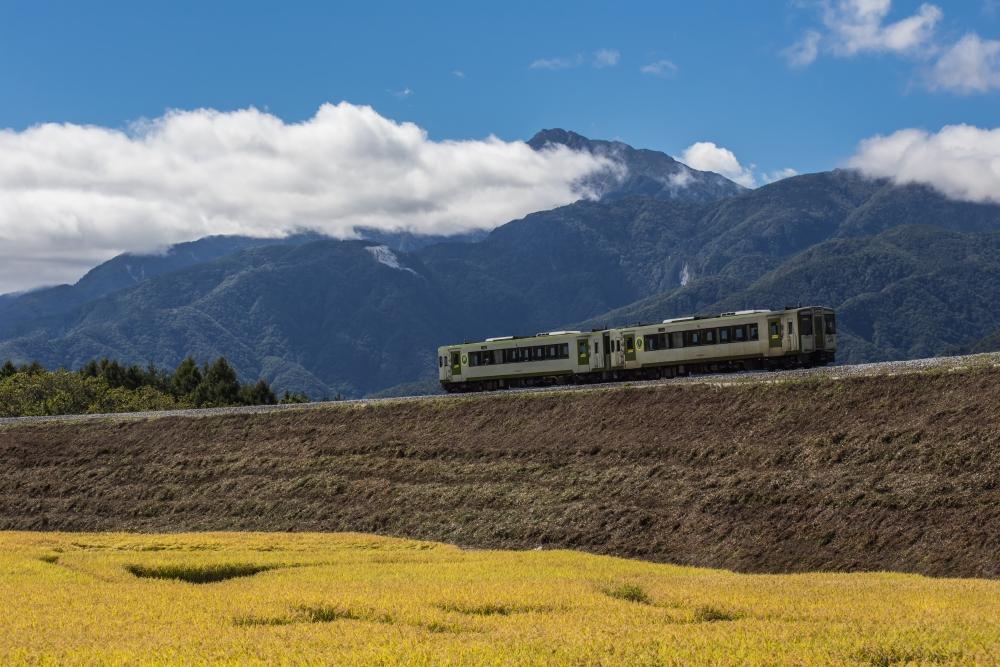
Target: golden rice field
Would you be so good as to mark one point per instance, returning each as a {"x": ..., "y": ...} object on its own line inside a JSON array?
[{"x": 239, "y": 598}]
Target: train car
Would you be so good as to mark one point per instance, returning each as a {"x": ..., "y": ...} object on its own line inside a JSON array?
[{"x": 742, "y": 340}]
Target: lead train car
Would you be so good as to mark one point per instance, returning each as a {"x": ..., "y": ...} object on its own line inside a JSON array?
[{"x": 744, "y": 340}]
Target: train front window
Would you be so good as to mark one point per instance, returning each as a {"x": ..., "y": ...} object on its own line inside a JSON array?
[
  {"x": 830, "y": 321},
  {"x": 805, "y": 324}
]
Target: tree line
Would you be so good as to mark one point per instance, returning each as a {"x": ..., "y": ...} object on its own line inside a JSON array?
[{"x": 105, "y": 385}]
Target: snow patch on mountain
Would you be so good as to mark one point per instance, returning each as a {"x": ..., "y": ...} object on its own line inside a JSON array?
[{"x": 383, "y": 255}]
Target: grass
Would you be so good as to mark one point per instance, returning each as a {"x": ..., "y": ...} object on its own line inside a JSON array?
[
  {"x": 629, "y": 593},
  {"x": 359, "y": 600}
]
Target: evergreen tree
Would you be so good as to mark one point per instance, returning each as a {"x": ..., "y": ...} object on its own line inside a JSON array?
[
  {"x": 294, "y": 397},
  {"x": 219, "y": 386},
  {"x": 8, "y": 369},
  {"x": 258, "y": 394},
  {"x": 186, "y": 378}
]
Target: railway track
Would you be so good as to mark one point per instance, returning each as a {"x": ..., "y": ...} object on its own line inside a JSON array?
[{"x": 990, "y": 359}]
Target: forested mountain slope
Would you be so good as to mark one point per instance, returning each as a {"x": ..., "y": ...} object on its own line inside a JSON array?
[{"x": 911, "y": 273}]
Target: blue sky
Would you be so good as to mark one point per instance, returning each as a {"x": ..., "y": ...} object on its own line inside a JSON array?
[{"x": 109, "y": 63}]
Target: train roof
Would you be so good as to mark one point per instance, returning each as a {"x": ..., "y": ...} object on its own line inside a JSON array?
[{"x": 672, "y": 320}]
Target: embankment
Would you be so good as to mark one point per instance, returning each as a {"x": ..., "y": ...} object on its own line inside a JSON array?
[{"x": 863, "y": 473}]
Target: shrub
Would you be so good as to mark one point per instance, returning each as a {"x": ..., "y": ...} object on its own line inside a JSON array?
[{"x": 629, "y": 593}]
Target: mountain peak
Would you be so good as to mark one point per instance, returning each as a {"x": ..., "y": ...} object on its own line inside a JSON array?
[{"x": 648, "y": 173}]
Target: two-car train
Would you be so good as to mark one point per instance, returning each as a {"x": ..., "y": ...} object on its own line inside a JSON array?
[{"x": 743, "y": 340}]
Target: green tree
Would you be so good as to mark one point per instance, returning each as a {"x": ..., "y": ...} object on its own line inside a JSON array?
[
  {"x": 219, "y": 386},
  {"x": 258, "y": 394},
  {"x": 8, "y": 369},
  {"x": 186, "y": 378},
  {"x": 34, "y": 368},
  {"x": 293, "y": 397}
]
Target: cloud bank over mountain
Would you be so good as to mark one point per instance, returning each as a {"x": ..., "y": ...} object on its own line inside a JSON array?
[
  {"x": 72, "y": 195},
  {"x": 960, "y": 161},
  {"x": 707, "y": 156}
]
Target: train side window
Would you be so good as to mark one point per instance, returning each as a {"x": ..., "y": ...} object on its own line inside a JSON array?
[
  {"x": 597, "y": 347},
  {"x": 677, "y": 339},
  {"x": 724, "y": 335},
  {"x": 709, "y": 336},
  {"x": 752, "y": 332},
  {"x": 831, "y": 323},
  {"x": 791, "y": 329}
]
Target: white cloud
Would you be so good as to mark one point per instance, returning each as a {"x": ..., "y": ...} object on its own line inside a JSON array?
[
  {"x": 601, "y": 58},
  {"x": 681, "y": 178},
  {"x": 659, "y": 68},
  {"x": 72, "y": 195},
  {"x": 803, "y": 52},
  {"x": 403, "y": 93},
  {"x": 859, "y": 26},
  {"x": 971, "y": 65},
  {"x": 556, "y": 63},
  {"x": 706, "y": 156},
  {"x": 458, "y": 73},
  {"x": 778, "y": 175},
  {"x": 960, "y": 161},
  {"x": 606, "y": 58}
]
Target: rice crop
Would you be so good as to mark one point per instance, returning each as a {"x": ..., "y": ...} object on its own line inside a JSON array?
[{"x": 293, "y": 598}]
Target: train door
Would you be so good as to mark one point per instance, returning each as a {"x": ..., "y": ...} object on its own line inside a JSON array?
[
  {"x": 617, "y": 350},
  {"x": 582, "y": 352},
  {"x": 774, "y": 335},
  {"x": 456, "y": 363},
  {"x": 596, "y": 354},
  {"x": 820, "y": 331},
  {"x": 606, "y": 350},
  {"x": 807, "y": 340},
  {"x": 629, "y": 344}
]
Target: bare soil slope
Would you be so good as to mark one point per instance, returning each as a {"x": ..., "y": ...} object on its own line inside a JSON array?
[{"x": 863, "y": 473}]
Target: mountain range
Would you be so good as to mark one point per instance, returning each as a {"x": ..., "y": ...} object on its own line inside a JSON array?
[{"x": 910, "y": 272}]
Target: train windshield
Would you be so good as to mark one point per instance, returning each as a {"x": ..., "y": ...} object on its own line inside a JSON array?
[{"x": 831, "y": 323}]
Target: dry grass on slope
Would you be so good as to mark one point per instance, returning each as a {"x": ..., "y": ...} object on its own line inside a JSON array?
[{"x": 863, "y": 473}]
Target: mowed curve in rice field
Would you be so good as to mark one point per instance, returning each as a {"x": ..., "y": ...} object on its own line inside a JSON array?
[{"x": 357, "y": 599}]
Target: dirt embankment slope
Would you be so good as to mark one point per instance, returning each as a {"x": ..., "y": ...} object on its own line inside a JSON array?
[{"x": 865, "y": 473}]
